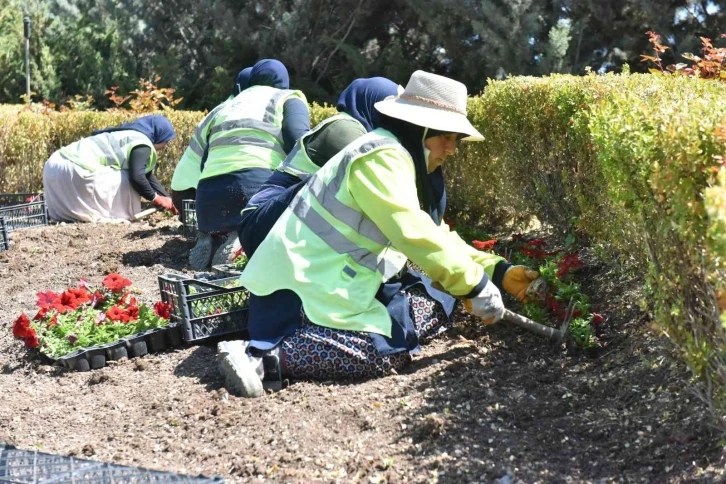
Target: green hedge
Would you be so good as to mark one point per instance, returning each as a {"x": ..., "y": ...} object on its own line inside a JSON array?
[
  {"x": 27, "y": 139},
  {"x": 630, "y": 162}
]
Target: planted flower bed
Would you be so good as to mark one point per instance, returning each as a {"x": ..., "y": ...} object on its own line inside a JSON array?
[
  {"x": 557, "y": 267},
  {"x": 84, "y": 327}
]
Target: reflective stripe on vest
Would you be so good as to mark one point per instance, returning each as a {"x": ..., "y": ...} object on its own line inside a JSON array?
[
  {"x": 268, "y": 119},
  {"x": 298, "y": 163},
  {"x": 108, "y": 149},
  {"x": 247, "y": 140},
  {"x": 339, "y": 242},
  {"x": 268, "y": 128},
  {"x": 356, "y": 220},
  {"x": 106, "y": 145},
  {"x": 332, "y": 257},
  {"x": 204, "y": 125},
  {"x": 247, "y": 132},
  {"x": 194, "y": 146},
  {"x": 271, "y": 110}
]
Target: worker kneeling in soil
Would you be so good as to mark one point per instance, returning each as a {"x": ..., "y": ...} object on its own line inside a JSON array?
[
  {"x": 103, "y": 177},
  {"x": 248, "y": 138},
  {"x": 189, "y": 169},
  {"x": 335, "y": 298},
  {"x": 357, "y": 117}
]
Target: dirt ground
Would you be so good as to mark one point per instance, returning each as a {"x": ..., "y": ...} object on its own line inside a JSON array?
[{"x": 479, "y": 405}]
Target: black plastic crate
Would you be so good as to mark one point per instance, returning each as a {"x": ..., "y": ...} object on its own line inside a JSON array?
[
  {"x": 190, "y": 227},
  {"x": 205, "y": 308},
  {"x": 4, "y": 235},
  {"x": 28, "y": 466},
  {"x": 23, "y": 210}
]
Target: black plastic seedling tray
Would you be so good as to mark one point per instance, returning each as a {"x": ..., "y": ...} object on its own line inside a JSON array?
[
  {"x": 139, "y": 344},
  {"x": 30, "y": 466}
]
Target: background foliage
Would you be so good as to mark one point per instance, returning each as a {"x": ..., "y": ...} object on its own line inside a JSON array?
[{"x": 197, "y": 46}]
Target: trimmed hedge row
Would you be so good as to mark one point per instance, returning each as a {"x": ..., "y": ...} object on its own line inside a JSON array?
[
  {"x": 27, "y": 139},
  {"x": 631, "y": 162}
]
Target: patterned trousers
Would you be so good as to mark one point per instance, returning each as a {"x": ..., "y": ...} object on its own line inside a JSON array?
[{"x": 319, "y": 353}]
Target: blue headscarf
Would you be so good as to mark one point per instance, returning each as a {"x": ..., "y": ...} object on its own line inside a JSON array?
[
  {"x": 242, "y": 81},
  {"x": 156, "y": 127},
  {"x": 358, "y": 99},
  {"x": 270, "y": 72}
]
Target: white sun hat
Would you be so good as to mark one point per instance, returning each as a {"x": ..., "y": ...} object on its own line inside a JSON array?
[{"x": 432, "y": 101}]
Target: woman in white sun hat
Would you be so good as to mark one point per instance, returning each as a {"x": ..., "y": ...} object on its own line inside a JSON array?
[{"x": 335, "y": 299}]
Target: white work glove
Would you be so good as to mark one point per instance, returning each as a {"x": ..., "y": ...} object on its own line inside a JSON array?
[{"x": 487, "y": 305}]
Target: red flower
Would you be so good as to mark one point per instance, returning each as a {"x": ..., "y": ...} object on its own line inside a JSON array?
[
  {"x": 31, "y": 339},
  {"x": 131, "y": 313},
  {"x": 559, "y": 309},
  {"x": 53, "y": 321},
  {"x": 536, "y": 243},
  {"x": 47, "y": 298},
  {"x": 98, "y": 298},
  {"x": 115, "y": 313},
  {"x": 238, "y": 253},
  {"x": 128, "y": 300},
  {"x": 162, "y": 309},
  {"x": 21, "y": 326},
  {"x": 567, "y": 263},
  {"x": 59, "y": 308},
  {"x": 597, "y": 318},
  {"x": 41, "y": 314},
  {"x": 553, "y": 303},
  {"x": 72, "y": 338},
  {"x": 81, "y": 294},
  {"x": 69, "y": 300},
  {"x": 450, "y": 223},
  {"x": 115, "y": 283},
  {"x": 484, "y": 245},
  {"x": 534, "y": 253}
]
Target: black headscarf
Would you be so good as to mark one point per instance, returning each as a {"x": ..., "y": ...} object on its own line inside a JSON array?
[{"x": 430, "y": 187}]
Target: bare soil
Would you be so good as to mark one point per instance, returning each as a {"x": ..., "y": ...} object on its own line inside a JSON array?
[{"x": 479, "y": 405}]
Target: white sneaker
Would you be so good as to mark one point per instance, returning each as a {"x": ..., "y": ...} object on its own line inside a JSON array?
[{"x": 242, "y": 373}]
